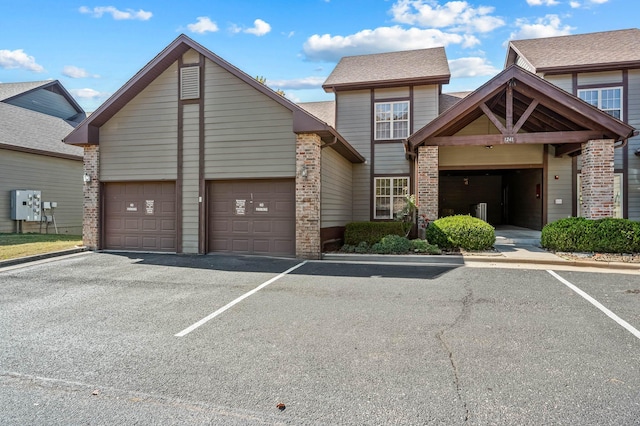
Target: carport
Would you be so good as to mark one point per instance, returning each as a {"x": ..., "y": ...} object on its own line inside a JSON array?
[{"x": 524, "y": 130}]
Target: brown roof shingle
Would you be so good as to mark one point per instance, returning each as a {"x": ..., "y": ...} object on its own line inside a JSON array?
[
  {"x": 582, "y": 51},
  {"x": 424, "y": 66}
]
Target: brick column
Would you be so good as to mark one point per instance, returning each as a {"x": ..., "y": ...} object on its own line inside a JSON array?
[
  {"x": 428, "y": 181},
  {"x": 597, "y": 179},
  {"x": 91, "y": 203},
  {"x": 308, "y": 245}
]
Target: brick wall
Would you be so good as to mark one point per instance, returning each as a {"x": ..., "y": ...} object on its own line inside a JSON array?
[
  {"x": 597, "y": 179},
  {"x": 428, "y": 181},
  {"x": 308, "y": 245},
  {"x": 91, "y": 203}
]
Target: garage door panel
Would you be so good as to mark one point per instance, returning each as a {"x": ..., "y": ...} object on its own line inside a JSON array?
[
  {"x": 140, "y": 216},
  {"x": 251, "y": 215}
]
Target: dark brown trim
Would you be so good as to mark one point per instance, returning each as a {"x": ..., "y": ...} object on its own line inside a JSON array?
[
  {"x": 385, "y": 141},
  {"x": 545, "y": 186},
  {"x": 386, "y": 84},
  {"x": 625, "y": 152},
  {"x": 40, "y": 152},
  {"x": 493, "y": 167},
  {"x": 391, "y": 175},
  {"x": 372, "y": 125},
  {"x": 397, "y": 99},
  {"x": 180, "y": 161},
  {"x": 598, "y": 86},
  {"x": 413, "y": 187},
  {"x": 574, "y": 186},
  {"x": 574, "y": 84},
  {"x": 100, "y": 245},
  {"x": 202, "y": 211},
  {"x": 589, "y": 68}
]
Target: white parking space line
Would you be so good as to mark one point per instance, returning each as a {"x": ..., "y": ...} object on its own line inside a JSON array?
[
  {"x": 236, "y": 301},
  {"x": 598, "y": 305}
]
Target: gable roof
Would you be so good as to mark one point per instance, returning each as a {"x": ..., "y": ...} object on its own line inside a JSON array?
[
  {"x": 303, "y": 122},
  {"x": 592, "y": 52},
  {"x": 424, "y": 66},
  {"x": 29, "y": 95},
  {"x": 516, "y": 100},
  {"x": 33, "y": 132},
  {"x": 324, "y": 110}
]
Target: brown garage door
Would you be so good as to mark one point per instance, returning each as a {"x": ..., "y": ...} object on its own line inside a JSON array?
[
  {"x": 140, "y": 216},
  {"x": 252, "y": 216}
]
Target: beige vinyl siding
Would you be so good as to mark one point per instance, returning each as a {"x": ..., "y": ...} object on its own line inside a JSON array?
[
  {"x": 140, "y": 141},
  {"x": 354, "y": 124},
  {"x": 633, "y": 118},
  {"x": 500, "y": 155},
  {"x": 59, "y": 179},
  {"x": 564, "y": 81},
  {"x": 524, "y": 64},
  {"x": 480, "y": 126},
  {"x": 247, "y": 134},
  {"x": 190, "y": 179},
  {"x": 190, "y": 57},
  {"x": 425, "y": 105},
  {"x": 336, "y": 196},
  {"x": 559, "y": 189},
  {"x": 390, "y": 159},
  {"x": 391, "y": 93},
  {"x": 608, "y": 77}
]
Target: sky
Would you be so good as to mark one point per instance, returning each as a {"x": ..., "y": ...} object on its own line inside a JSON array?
[{"x": 93, "y": 47}]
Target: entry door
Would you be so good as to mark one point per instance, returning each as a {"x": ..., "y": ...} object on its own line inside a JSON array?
[
  {"x": 252, "y": 216},
  {"x": 618, "y": 196}
]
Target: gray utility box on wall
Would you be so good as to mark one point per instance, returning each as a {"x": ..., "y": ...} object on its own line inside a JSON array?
[{"x": 26, "y": 205}]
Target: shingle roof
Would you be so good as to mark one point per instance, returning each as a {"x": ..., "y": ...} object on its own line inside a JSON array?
[
  {"x": 33, "y": 131},
  {"x": 427, "y": 66},
  {"x": 579, "y": 51},
  {"x": 9, "y": 90},
  {"x": 325, "y": 110},
  {"x": 447, "y": 100}
]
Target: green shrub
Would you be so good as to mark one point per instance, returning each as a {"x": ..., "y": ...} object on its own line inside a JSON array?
[
  {"x": 461, "y": 231},
  {"x": 392, "y": 244},
  {"x": 423, "y": 246},
  {"x": 371, "y": 232},
  {"x": 578, "y": 234}
]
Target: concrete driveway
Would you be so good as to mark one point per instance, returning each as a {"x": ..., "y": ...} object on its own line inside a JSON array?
[{"x": 140, "y": 338}]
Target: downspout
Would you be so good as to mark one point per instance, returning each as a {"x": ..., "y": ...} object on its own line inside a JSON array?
[{"x": 335, "y": 140}]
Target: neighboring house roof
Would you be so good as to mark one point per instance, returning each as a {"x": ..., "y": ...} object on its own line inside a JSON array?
[
  {"x": 516, "y": 100},
  {"x": 447, "y": 100},
  {"x": 34, "y": 132},
  {"x": 592, "y": 52},
  {"x": 303, "y": 122},
  {"x": 48, "y": 97},
  {"x": 424, "y": 66},
  {"x": 325, "y": 110}
]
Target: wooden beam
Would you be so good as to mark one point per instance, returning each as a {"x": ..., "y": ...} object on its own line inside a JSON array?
[
  {"x": 525, "y": 116},
  {"x": 509, "y": 112},
  {"x": 568, "y": 149},
  {"x": 517, "y": 139},
  {"x": 492, "y": 118}
]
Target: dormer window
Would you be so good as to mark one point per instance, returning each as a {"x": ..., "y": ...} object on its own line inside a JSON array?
[{"x": 391, "y": 120}]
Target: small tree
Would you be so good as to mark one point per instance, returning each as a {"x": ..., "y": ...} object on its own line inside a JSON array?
[{"x": 408, "y": 214}]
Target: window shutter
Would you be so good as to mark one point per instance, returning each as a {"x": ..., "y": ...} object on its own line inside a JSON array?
[{"x": 189, "y": 83}]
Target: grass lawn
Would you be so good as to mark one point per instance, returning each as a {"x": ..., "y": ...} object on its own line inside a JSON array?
[{"x": 20, "y": 245}]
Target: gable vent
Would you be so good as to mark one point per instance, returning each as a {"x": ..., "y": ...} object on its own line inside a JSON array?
[{"x": 189, "y": 83}]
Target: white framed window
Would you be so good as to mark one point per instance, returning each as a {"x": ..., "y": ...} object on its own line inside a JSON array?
[
  {"x": 390, "y": 196},
  {"x": 391, "y": 120},
  {"x": 608, "y": 99}
]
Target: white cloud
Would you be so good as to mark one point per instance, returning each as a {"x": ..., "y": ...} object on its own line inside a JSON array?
[
  {"x": 17, "y": 59},
  {"x": 203, "y": 25},
  {"x": 118, "y": 15},
  {"x": 574, "y": 4},
  {"x": 76, "y": 72},
  {"x": 542, "y": 2},
  {"x": 548, "y": 26},
  {"x": 471, "y": 67},
  {"x": 586, "y": 3},
  {"x": 384, "y": 39},
  {"x": 297, "y": 83},
  {"x": 88, "y": 94},
  {"x": 455, "y": 15},
  {"x": 260, "y": 28}
]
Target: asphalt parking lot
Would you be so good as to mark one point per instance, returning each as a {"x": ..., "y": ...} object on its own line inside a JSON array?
[{"x": 163, "y": 339}]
